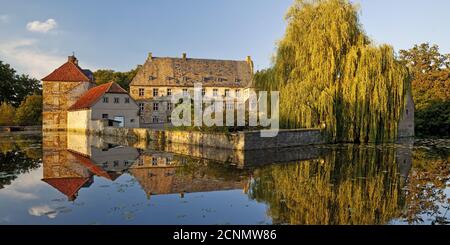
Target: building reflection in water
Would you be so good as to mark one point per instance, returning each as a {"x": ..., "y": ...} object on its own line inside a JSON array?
[
  {"x": 343, "y": 184},
  {"x": 71, "y": 161}
]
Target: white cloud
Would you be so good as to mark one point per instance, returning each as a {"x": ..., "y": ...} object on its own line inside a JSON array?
[
  {"x": 24, "y": 187},
  {"x": 4, "y": 18},
  {"x": 43, "y": 27},
  {"x": 25, "y": 56},
  {"x": 43, "y": 210},
  {"x": 18, "y": 195}
]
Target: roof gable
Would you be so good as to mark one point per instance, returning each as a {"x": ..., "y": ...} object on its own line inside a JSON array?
[
  {"x": 166, "y": 71},
  {"x": 88, "y": 99},
  {"x": 70, "y": 72},
  {"x": 68, "y": 186}
]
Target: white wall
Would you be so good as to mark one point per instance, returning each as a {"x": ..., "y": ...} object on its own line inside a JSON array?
[{"x": 78, "y": 120}]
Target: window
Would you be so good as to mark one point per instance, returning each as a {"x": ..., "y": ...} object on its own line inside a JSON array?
[
  {"x": 169, "y": 106},
  {"x": 155, "y": 92},
  {"x": 169, "y": 92},
  {"x": 185, "y": 92},
  {"x": 105, "y": 116},
  {"x": 203, "y": 92},
  {"x": 105, "y": 100},
  {"x": 155, "y": 119},
  {"x": 215, "y": 92},
  {"x": 230, "y": 106},
  {"x": 154, "y": 161},
  {"x": 127, "y": 100},
  {"x": 407, "y": 111},
  {"x": 155, "y": 106},
  {"x": 131, "y": 120},
  {"x": 238, "y": 93},
  {"x": 141, "y": 108},
  {"x": 169, "y": 118},
  {"x": 116, "y": 163},
  {"x": 227, "y": 92},
  {"x": 116, "y": 100},
  {"x": 105, "y": 164},
  {"x": 168, "y": 162},
  {"x": 141, "y": 92}
]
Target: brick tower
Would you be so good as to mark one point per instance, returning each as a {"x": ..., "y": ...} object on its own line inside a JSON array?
[{"x": 60, "y": 90}]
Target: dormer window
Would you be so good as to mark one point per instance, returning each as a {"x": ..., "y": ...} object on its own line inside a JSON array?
[
  {"x": 150, "y": 78},
  {"x": 237, "y": 80}
]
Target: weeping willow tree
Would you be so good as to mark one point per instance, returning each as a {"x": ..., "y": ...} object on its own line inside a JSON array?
[
  {"x": 348, "y": 186},
  {"x": 330, "y": 75}
]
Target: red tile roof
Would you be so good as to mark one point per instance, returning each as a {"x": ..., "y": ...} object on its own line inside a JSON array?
[
  {"x": 70, "y": 72},
  {"x": 91, "y": 97},
  {"x": 67, "y": 186}
]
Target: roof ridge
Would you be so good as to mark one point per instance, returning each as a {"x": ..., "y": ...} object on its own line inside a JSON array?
[
  {"x": 180, "y": 58},
  {"x": 57, "y": 70}
]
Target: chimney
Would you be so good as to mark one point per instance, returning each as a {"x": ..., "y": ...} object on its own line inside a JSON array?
[
  {"x": 184, "y": 56},
  {"x": 150, "y": 56},
  {"x": 72, "y": 59},
  {"x": 250, "y": 62}
]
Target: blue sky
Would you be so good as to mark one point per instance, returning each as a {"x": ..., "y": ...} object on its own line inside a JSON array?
[{"x": 36, "y": 36}]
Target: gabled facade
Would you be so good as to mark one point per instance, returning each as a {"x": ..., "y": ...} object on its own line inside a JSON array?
[
  {"x": 160, "y": 78},
  {"x": 107, "y": 102}
]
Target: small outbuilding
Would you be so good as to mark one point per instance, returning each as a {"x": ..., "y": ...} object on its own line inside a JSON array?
[{"x": 104, "y": 105}]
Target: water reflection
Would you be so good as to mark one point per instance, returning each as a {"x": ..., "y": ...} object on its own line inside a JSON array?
[
  {"x": 18, "y": 156},
  {"x": 339, "y": 184}
]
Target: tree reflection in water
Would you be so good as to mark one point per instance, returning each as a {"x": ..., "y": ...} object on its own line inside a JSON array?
[
  {"x": 19, "y": 155},
  {"x": 340, "y": 184},
  {"x": 429, "y": 179}
]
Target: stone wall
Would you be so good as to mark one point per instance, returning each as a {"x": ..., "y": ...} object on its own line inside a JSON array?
[
  {"x": 242, "y": 141},
  {"x": 57, "y": 98},
  {"x": 406, "y": 124}
]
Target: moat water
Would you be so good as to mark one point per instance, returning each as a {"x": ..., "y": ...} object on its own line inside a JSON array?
[{"x": 75, "y": 179}]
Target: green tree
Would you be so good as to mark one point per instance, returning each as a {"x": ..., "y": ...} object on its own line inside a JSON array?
[
  {"x": 14, "y": 88},
  {"x": 329, "y": 74},
  {"x": 121, "y": 78},
  {"x": 30, "y": 111},
  {"x": 431, "y": 88},
  {"x": 7, "y": 113}
]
